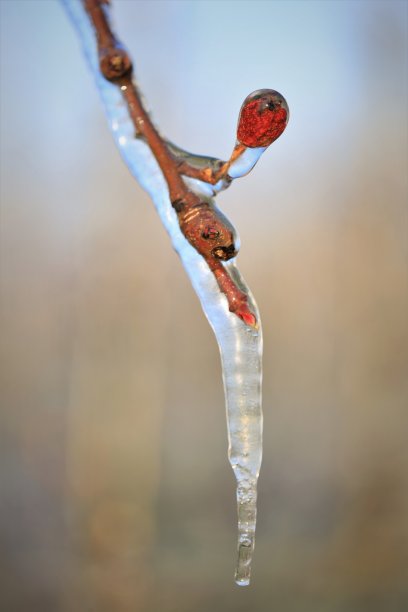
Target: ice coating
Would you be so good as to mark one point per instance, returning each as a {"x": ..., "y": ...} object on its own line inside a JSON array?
[
  {"x": 240, "y": 345},
  {"x": 245, "y": 162}
]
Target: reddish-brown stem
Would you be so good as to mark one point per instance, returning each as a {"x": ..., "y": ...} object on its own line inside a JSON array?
[
  {"x": 238, "y": 300},
  {"x": 199, "y": 222}
]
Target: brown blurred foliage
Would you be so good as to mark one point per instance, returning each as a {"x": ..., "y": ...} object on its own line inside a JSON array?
[{"x": 116, "y": 493}]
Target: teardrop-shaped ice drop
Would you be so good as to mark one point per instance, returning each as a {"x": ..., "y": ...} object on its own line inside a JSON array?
[{"x": 263, "y": 117}]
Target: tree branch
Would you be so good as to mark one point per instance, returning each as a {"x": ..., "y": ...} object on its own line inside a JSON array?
[{"x": 203, "y": 226}]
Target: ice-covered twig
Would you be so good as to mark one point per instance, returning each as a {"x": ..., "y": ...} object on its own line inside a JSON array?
[
  {"x": 203, "y": 238},
  {"x": 263, "y": 117}
]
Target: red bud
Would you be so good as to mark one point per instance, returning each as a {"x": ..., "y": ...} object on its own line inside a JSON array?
[{"x": 263, "y": 117}]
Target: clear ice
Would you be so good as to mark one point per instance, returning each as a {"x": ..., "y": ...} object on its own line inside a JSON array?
[{"x": 240, "y": 346}]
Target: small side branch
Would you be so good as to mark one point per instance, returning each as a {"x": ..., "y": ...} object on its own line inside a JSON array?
[{"x": 211, "y": 174}]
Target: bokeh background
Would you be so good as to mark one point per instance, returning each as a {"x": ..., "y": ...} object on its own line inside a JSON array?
[{"x": 116, "y": 492}]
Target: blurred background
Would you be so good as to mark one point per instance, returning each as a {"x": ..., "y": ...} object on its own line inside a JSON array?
[{"x": 116, "y": 492}]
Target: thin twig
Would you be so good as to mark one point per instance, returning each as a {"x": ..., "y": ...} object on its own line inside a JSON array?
[
  {"x": 199, "y": 221},
  {"x": 209, "y": 174}
]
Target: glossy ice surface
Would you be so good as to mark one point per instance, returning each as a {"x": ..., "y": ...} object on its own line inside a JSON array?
[{"x": 240, "y": 346}]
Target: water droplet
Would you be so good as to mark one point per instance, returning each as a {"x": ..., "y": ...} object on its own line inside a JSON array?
[{"x": 243, "y": 571}]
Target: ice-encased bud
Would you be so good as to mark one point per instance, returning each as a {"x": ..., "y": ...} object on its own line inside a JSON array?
[{"x": 262, "y": 119}]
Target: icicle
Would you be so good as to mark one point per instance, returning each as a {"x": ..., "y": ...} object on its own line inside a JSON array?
[{"x": 240, "y": 345}]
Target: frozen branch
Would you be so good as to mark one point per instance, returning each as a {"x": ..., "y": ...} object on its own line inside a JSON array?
[{"x": 181, "y": 186}]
